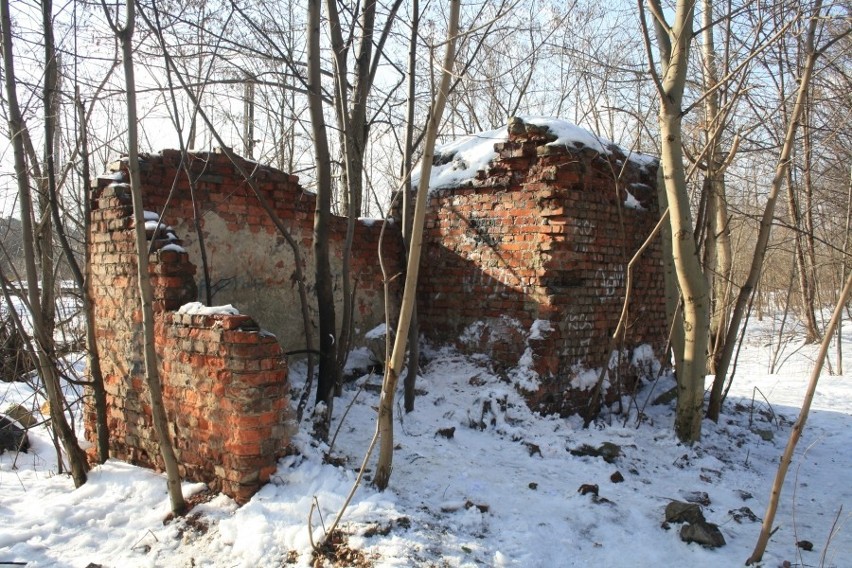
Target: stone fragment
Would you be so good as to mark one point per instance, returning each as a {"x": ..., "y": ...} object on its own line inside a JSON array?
[
  {"x": 680, "y": 512},
  {"x": 700, "y": 497},
  {"x": 608, "y": 451},
  {"x": 447, "y": 433},
  {"x": 21, "y": 414},
  {"x": 706, "y": 534},
  {"x": 743, "y": 513},
  {"x": 12, "y": 437}
]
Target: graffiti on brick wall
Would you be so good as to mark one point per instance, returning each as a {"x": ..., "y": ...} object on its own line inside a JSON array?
[
  {"x": 584, "y": 228},
  {"x": 579, "y": 327},
  {"x": 609, "y": 280},
  {"x": 577, "y": 322},
  {"x": 578, "y": 349}
]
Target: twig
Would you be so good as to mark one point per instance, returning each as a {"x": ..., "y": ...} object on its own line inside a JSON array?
[
  {"x": 834, "y": 530},
  {"x": 351, "y": 491},
  {"x": 771, "y": 411},
  {"x": 348, "y": 408},
  {"x": 148, "y": 532},
  {"x": 314, "y": 505}
]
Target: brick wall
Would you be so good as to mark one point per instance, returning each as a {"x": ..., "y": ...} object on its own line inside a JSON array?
[
  {"x": 527, "y": 263},
  {"x": 224, "y": 377},
  {"x": 250, "y": 264}
]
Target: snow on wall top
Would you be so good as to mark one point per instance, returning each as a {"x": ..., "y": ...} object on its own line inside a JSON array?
[
  {"x": 199, "y": 309},
  {"x": 465, "y": 156}
]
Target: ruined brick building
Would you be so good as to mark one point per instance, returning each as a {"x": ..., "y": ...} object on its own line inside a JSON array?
[{"x": 524, "y": 261}]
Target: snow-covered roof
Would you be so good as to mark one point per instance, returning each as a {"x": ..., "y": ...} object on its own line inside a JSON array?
[{"x": 462, "y": 158}]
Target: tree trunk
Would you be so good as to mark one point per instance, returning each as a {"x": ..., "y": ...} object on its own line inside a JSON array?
[
  {"x": 354, "y": 131},
  {"x": 92, "y": 352},
  {"x": 806, "y": 291},
  {"x": 328, "y": 369},
  {"x": 724, "y": 273},
  {"x": 43, "y": 342},
  {"x": 693, "y": 286},
  {"x": 413, "y": 366},
  {"x": 384, "y": 423},
  {"x": 152, "y": 374},
  {"x": 51, "y": 112},
  {"x": 673, "y": 46},
  {"x": 718, "y": 239},
  {"x": 670, "y": 280},
  {"x": 353, "y": 165},
  {"x": 248, "y": 118},
  {"x": 808, "y": 220},
  {"x": 843, "y": 269}
]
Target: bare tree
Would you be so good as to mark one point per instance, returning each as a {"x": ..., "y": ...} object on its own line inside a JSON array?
[
  {"x": 51, "y": 136},
  {"x": 43, "y": 338},
  {"x": 384, "y": 424},
  {"x": 124, "y": 33},
  {"x": 82, "y": 280},
  {"x": 410, "y": 380},
  {"x": 673, "y": 43},
  {"x": 767, "y": 218},
  {"x": 718, "y": 252},
  {"x": 328, "y": 369}
]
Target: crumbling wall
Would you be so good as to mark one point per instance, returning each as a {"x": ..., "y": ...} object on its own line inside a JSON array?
[
  {"x": 224, "y": 382},
  {"x": 224, "y": 376},
  {"x": 250, "y": 265},
  {"x": 527, "y": 262}
]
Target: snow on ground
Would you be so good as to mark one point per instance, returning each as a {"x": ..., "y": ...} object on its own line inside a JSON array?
[
  {"x": 68, "y": 315},
  {"x": 502, "y": 490}
]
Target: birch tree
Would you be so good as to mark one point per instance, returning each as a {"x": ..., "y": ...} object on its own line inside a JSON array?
[{"x": 673, "y": 45}]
